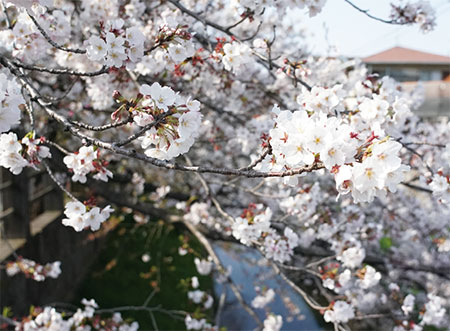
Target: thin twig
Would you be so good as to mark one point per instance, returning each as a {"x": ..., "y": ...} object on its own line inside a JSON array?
[
  {"x": 51, "y": 42},
  {"x": 60, "y": 71},
  {"x": 366, "y": 12},
  {"x": 60, "y": 185},
  {"x": 258, "y": 160},
  {"x": 202, "y": 239}
]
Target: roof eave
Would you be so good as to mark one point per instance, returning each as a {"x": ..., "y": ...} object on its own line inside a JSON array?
[{"x": 410, "y": 63}]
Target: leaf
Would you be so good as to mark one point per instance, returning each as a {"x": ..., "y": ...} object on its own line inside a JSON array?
[
  {"x": 7, "y": 312},
  {"x": 385, "y": 244}
]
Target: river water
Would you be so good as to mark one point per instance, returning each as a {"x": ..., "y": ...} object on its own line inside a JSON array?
[{"x": 249, "y": 271}]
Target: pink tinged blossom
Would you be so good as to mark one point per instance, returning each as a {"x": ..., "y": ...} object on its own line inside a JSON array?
[
  {"x": 74, "y": 208},
  {"x": 345, "y": 277},
  {"x": 408, "y": 304},
  {"x": 194, "y": 324},
  {"x": 292, "y": 237},
  {"x": 204, "y": 267},
  {"x": 371, "y": 278},
  {"x": 93, "y": 218},
  {"x": 10, "y": 157},
  {"x": 317, "y": 139},
  {"x": 386, "y": 153},
  {"x": 79, "y": 218},
  {"x": 103, "y": 175},
  {"x": 177, "y": 53},
  {"x": 189, "y": 124},
  {"x": 115, "y": 43},
  {"x": 163, "y": 96},
  {"x": 76, "y": 222},
  {"x": 439, "y": 184},
  {"x": 367, "y": 175},
  {"x": 372, "y": 109},
  {"x": 135, "y": 37},
  {"x": 340, "y": 312},
  {"x": 115, "y": 58},
  {"x": 87, "y": 154},
  {"x": 8, "y": 118},
  {"x": 96, "y": 49},
  {"x": 135, "y": 53},
  {"x": 106, "y": 212},
  {"x": 10, "y": 99},
  {"x": 352, "y": 257},
  {"x": 434, "y": 311},
  {"x": 343, "y": 179},
  {"x": 9, "y": 143},
  {"x": 262, "y": 300},
  {"x": 193, "y": 105},
  {"x": 273, "y": 323},
  {"x": 332, "y": 155}
]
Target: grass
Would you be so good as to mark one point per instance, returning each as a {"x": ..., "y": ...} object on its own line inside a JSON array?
[{"x": 120, "y": 278}]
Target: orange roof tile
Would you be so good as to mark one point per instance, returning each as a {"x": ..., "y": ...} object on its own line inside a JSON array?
[{"x": 406, "y": 55}]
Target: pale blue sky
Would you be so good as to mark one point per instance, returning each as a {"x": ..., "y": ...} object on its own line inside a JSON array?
[{"x": 354, "y": 34}]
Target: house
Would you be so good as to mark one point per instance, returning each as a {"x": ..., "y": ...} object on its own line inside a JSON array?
[{"x": 409, "y": 67}]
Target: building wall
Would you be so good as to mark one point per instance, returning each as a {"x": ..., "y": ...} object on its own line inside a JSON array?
[
  {"x": 434, "y": 78},
  {"x": 437, "y": 98}
]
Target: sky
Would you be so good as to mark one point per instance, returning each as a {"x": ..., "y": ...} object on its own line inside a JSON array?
[{"x": 354, "y": 34}]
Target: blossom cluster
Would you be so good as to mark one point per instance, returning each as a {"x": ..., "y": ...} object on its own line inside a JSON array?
[
  {"x": 434, "y": 311},
  {"x": 197, "y": 324},
  {"x": 250, "y": 226},
  {"x": 204, "y": 267},
  {"x": 25, "y": 41},
  {"x": 261, "y": 300},
  {"x": 440, "y": 185},
  {"x": 419, "y": 12},
  {"x": 177, "y": 40},
  {"x": 79, "y": 217},
  {"x": 176, "y": 133},
  {"x": 199, "y": 297},
  {"x": 273, "y": 323},
  {"x": 258, "y": 6},
  {"x": 85, "y": 161},
  {"x": 380, "y": 169},
  {"x": 16, "y": 155},
  {"x": 340, "y": 311},
  {"x": 116, "y": 45},
  {"x": 33, "y": 270},
  {"x": 83, "y": 319},
  {"x": 254, "y": 226},
  {"x": 10, "y": 100},
  {"x": 198, "y": 213},
  {"x": 202, "y": 297},
  {"x": 365, "y": 167},
  {"x": 314, "y": 6},
  {"x": 236, "y": 56}
]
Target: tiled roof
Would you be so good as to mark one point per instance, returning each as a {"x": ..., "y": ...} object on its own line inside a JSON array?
[{"x": 406, "y": 55}]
